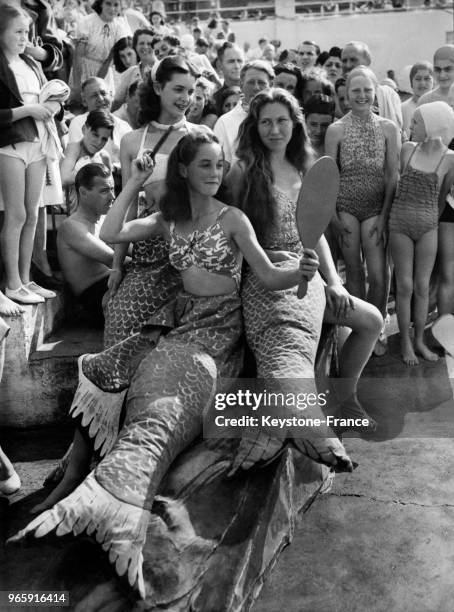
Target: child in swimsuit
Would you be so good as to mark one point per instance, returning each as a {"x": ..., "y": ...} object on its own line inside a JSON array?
[
  {"x": 366, "y": 148},
  {"x": 427, "y": 174}
]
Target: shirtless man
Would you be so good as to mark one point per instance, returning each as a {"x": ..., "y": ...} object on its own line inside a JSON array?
[{"x": 84, "y": 258}]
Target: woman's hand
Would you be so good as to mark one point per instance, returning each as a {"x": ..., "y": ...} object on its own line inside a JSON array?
[
  {"x": 277, "y": 256},
  {"x": 143, "y": 167},
  {"x": 39, "y": 112},
  {"x": 113, "y": 282},
  {"x": 309, "y": 264},
  {"x": 338, "y": 299},
  {"x": 378, "y": 228}
]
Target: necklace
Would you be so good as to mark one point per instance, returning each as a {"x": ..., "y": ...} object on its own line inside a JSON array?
[{"x": 163, "y": 126}]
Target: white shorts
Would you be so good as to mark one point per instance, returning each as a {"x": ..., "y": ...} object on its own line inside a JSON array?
[{"x": 28, "y": 152}]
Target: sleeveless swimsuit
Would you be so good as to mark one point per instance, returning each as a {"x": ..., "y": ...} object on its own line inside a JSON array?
[
  {"x": 209, "y": 249},
  {"x": 362, "y": 167},
  {"x": 415, "y": 208}
]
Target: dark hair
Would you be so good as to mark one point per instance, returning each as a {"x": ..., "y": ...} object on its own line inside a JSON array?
[
  {"x": 97, "y": 6},
  {"x": 87, "y": 174},
  {"x": 160, "y": 15},
  {"x": 202, "y": 42},
  {"x": 320, "y": 104},
  {"x": 223, "y": 48},
  {"x": 335, "y": 52},
  {"x": 8, "y": 12},
  {"x": 173, "y": 41},
  {"x": 150, "y": 102},
  {"x": 289, "y": 68},
  {"x": 100, "y": 118},
  {"x": 313, "y": 44},
  {"x": 321, "y": 59},
  {"x": 139, "y": 32},
  {"x": 420, "y": 66},
  {"x": 156, "y": 39},
  {"x": 256, "y": 195},
  {"x": 133, "y": 87},
  {"x": 121, "y": 45},
  {"x": 223, "y": 94},
  {"x": 175, "y": 204},
  {"x": 212, "y": 24},
  {"x": 340, "y": 82}
]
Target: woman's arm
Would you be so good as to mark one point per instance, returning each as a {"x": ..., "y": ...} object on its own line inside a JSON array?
[
  {"x": 39, "y": 112},
  {"x": 241, "y": 231},
  {"x": 121, "y": 249},
  {"x": 115, "y": 228}
]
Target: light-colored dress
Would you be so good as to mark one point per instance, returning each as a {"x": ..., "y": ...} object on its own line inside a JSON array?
[{"x": 101, "y": 36}]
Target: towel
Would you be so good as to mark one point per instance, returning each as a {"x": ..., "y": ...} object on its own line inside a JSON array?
[{"x": 53, "y": 91}]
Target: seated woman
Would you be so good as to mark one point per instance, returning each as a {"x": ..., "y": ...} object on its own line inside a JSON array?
[
  {"x": 274, "y": 153},
  {"x": 174, "y": 383}
]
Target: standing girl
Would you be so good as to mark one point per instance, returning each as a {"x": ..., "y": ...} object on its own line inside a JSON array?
[
  {"x": 427, "y": 174},
  {"x": 366, "y": 148},
  {"x": 22, "y": 156}
]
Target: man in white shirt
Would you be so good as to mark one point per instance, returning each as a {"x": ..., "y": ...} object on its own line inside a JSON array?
[
  {"x": 95, "y": 96},
  {"x": 255, "y": 76}
]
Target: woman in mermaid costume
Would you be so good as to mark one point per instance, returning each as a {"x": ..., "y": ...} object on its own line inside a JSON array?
[
  {"x": 174, "y": 383},
  {"x": 283, "y": 331}
]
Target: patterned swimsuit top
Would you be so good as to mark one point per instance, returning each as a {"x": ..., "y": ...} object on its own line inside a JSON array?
[
  {"x": 361, "y": 162},
  {"x": 420, "y": 186},
  {"x": 283, "y": 234},
  {"x": 208, "y": 249}
]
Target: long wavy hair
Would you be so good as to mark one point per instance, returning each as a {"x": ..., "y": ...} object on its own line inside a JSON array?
[
  {"x": 256, "y": 192},
  {"x": 175, "y": 204},
  {"x": 150, "y": 102}
]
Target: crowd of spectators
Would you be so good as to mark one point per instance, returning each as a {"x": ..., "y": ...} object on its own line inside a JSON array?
[{"x": 129, "y": 81}]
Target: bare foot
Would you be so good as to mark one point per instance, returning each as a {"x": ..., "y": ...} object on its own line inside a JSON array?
[
  {"x": 8, "y": 308},
  {"x": 408, "y": 353},
  {"x": 62, "y": 490},
  {"x": 425, "y": 352}
]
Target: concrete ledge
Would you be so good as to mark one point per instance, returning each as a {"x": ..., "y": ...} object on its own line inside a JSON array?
[{"x": 40, "y": 371}]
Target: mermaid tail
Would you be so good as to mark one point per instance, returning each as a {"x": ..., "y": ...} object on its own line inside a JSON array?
[
  {"x": 119, "y": 527},
  {"x": 171, "y": 388}
]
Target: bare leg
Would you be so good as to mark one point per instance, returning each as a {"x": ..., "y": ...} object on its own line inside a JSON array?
[
  {"x": 402, "y": 252},
  {"x": 365, "y": 322},
  {"x": 13, "y": 192},
  {"x": 9, "y": 480},
  {"x": 378, "y": 277},
  {"x": 445, "y": 296},
  {"x": 78, "y": 468},
  {"x": 39, "y": 247},
  {"x": 356, "y": 283},
  {"x": 377, "y": 267},
  {"x": 34, "y": 182},
  {"x": 425, "y": 253}
]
